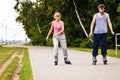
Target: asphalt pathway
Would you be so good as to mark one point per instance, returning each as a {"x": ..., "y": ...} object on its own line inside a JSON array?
[{"x": 81, "y": 69}]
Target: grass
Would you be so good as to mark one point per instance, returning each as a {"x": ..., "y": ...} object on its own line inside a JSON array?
[
  {"x": 7, "y": 75},
  {"x": 110, "y": 52},
  {"x": 20, "y": 51},
  {"x": 5, "y": 54},
  {"x": 26, "y": 72}
]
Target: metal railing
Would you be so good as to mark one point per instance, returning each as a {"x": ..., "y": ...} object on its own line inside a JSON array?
[{"x": 116, "y": 42}]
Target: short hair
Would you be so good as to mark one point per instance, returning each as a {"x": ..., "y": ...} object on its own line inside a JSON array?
[
  {"x": 57, "y": 14},
  {"x": 101, "y": 6}
]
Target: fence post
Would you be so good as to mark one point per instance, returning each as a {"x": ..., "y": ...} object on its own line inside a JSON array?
[{"x": 116, "y": 44}]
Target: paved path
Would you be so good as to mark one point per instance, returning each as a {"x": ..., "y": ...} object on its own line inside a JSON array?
[{"x": 81, "y": 68}]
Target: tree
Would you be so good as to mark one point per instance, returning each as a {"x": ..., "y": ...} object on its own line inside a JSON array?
[{"x": 36, "y": 18}]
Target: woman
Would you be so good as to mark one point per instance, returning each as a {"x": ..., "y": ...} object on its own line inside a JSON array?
[{"x": 59, "y": 35}]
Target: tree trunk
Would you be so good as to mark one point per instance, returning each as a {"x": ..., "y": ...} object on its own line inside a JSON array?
[{"x": 81, "y": 21}]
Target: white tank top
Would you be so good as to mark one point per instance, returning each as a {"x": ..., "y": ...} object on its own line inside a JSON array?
[{"x": 101, "y": 24}]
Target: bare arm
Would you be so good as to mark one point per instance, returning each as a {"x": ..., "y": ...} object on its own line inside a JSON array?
[
  {"x": 61, "y": 29},
  {"x": 92, "y": 25},
  {"x": 51, "y": 29},
  {"x": 110, "y": 24}
]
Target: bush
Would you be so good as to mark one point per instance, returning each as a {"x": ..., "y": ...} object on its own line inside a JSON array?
[
  {"x": 76, "y": 43},
  {"x": 38, "y": 40},
  {"x": 35, "y": 41},
  {"x": 50, "y": 42},
  {"x": 86, "y": 43}
]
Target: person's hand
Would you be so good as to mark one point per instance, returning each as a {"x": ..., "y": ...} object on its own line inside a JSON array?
[
  {"x": 55, "y": 34},
  {"x": 112, "y": 33},
  {"x": 90, "y": 34},
  {"x": 47, "y": 38}
]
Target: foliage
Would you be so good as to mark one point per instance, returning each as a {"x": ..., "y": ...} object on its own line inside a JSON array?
[
  {"x": 39, "y": 14},
  {"x": 110, "y": 52},
  {"x": 49, "y": 42}
]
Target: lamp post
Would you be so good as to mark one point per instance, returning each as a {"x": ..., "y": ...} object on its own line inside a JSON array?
[
  {"x": 1, "y": 40},
  {"x": 6, "y": 33},
  {"x": 2, "y": 25},
  {"x": 2, "y": 34}
]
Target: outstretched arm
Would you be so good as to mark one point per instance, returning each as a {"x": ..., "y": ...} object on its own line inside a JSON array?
[
  {"x": 51, "y": 29},
  {"x": 92, "y": 25},
  {"x": 110, "y": 24}
]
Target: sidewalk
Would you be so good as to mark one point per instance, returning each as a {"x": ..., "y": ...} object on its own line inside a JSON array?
[{"x": 81, "y": 68}]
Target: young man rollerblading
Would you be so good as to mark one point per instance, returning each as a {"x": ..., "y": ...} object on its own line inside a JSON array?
[{"x": 100, "y": 20}]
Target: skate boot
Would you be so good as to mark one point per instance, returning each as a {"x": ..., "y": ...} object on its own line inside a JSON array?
[
  {"x": 56, "y": 63},
  {"x": 56, "y": 60},
  {"x": 67, "y": 61},
  {"x": 105, "y": 60},
  {"x": 94, "y": 60}
]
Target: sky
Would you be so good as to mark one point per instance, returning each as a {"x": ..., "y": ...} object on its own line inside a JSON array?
[{"x": 9, "y": 28}]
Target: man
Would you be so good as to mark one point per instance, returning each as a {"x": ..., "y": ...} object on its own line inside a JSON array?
[{"x": 100, "y": 20}]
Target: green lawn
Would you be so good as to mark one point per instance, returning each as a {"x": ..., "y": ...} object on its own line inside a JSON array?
[
  {"x": 26, "y": 72},
  {"x": 5, "y": 54},
  {"x": 7, "y": 75},
  {"x": 110, "y": 52}
]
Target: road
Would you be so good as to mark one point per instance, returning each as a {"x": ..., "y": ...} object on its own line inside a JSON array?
[{"x": 81, "y": 68}]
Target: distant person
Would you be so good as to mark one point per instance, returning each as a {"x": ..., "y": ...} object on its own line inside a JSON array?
[
  {"x": 100, "y": 20},
  {"x": 26, "y": 40},
  {"x": 58, "y": 26}
]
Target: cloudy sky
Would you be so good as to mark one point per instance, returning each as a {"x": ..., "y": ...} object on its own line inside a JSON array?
[{"x": 9, "y": 29}]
